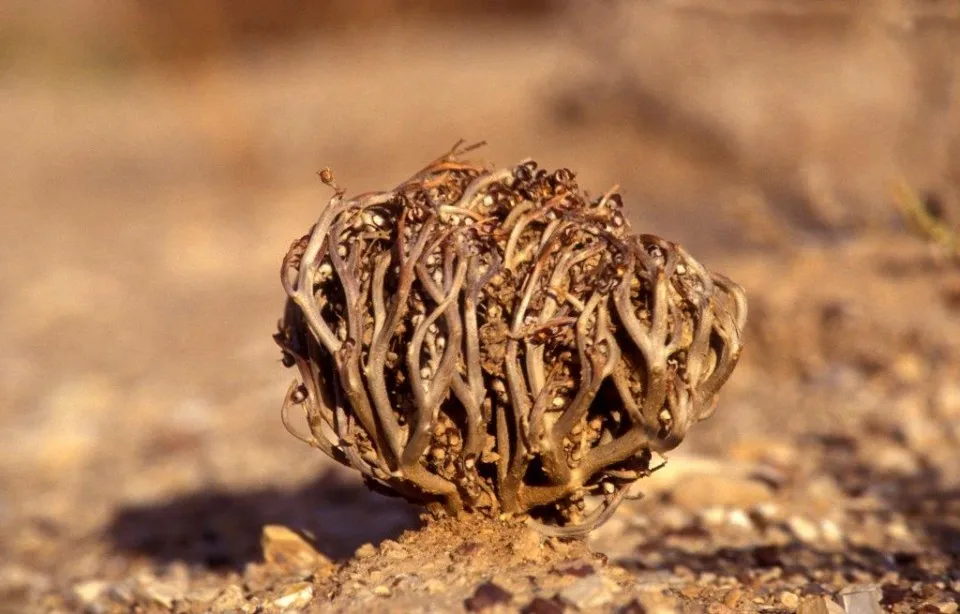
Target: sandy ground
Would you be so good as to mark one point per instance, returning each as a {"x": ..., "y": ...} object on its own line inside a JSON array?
[{"x": 144, "y": 220}]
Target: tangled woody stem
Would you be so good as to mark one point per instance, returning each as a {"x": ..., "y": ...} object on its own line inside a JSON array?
[{"x": 494, "y": 342}]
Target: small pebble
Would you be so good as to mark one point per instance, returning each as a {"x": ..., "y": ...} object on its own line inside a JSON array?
[
  {"x": 767, "y": 511},
  {"x": 831, "y": 531},
  {"x": 803, "y": 529},
  {"x": 230, "y": 599},
  {"x": 789, "y": 600},
  {"x": 817, "y": 605},
  {"x": 900, "y": 532},
  {"x": 739, "y": 518},
  {"x": 365, "y": 551},
  {"x": 732, "y": 598},
  {"x": 529, "y": 546},
  {"x": 393, "y": 551},
  {"x": 698, "y": 491},
  {"x": 382, "y": 590},
  {"x": 90, "y": 591},
  {"x": 587, "y": 593},
  {"x": 202, "y": 595},
  {"x": 486, "y": 596},
  {"x": 863, "y": 598},
  {"x": 714, "y": 516},
  {"x": 123, "y": 592},
  {"x": 633, "y": 607},
  {"x": 161, "y": 594},
  {"x": 578, "y": 569},
  {"x": 691, "y": 591},
  {"x": 296, "y": 595},
  {"x": 288, "y": 550},
  {"x": 674, "y": 518}
]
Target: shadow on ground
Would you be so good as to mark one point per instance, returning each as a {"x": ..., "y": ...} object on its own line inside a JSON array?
[
  {"x": 928, "y": 502},
  {"x": 923, "y": 498},
  {"x": 221, "y": 530}
]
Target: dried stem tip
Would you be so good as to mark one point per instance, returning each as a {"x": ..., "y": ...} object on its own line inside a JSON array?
[{"x": 496, "y": 342}]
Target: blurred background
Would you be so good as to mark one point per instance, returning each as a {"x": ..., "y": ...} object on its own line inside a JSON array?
[{"x": 160, "y": 157}]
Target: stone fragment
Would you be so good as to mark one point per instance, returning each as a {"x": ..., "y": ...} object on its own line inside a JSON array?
[
  {"x": 529, "y": 546},
  {"x": 768, "y": 556},
  {"x": 674, "y": 518},
  {"x": 587, "y": 594},
  {"x": 162, "y": 594},
  {"x": 123, "y": 592},
  {"x": 90, "y": 591},
  {"x": 713, "y": 516},
  {"x": 297, "y": 595},
  {"x": 834, "y": 608},
  {"x": 578, "y": 569},
  {"x": 732, "y": 598},
  {"x": 632, "y": 607},
  {"x": 657, "y": 602},
  {"x": 202, "y": 595},
  {"x": 695, "y": 492},
  {"x": 803, "y": 529},
  {"x": 861, "y": 599},
  {"x": 789, "y": 600},
  {"x": 831, "y": 531},
  {"x": 230, "y": 599},
  {"x": 813, "y": 605},
  {"x": 289, "y": 551},
  {"x": 486, "y": 596},
  {"x": 365, "y": 551},
  {"x": 393, "y": 550},
  {"x": 899, "y": 531},
  {"x": 893, "y": 594},
  {"x": 739, "y": 518}
]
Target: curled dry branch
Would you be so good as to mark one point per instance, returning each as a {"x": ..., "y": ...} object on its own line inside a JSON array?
[{"x": 495, "y": 342}]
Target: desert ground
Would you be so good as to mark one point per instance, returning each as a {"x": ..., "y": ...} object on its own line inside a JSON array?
[{"x": 158, "y": 167}]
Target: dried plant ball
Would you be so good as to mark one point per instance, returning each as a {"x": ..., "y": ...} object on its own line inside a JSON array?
[{"x": 497, "y": 342}]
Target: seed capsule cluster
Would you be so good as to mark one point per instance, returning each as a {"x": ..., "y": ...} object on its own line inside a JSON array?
[{"x": 498, "y": 342}]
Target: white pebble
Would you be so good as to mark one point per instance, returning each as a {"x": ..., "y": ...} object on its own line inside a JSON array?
[
  {"x": 714, "y": 516},
  {"x": 803, "y": 529},
  {"x": 738, "y": 518},
  {"x": 831, "y": 532}
]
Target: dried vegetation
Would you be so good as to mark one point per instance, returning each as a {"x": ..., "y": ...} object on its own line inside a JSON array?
[{"x": 498, "y": 342}]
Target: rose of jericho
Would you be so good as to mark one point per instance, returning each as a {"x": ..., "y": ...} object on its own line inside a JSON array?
[{"x": 498, "y": 342}]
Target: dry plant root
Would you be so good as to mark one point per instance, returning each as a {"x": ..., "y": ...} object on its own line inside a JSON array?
[{"x": 495, "y": 342}]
